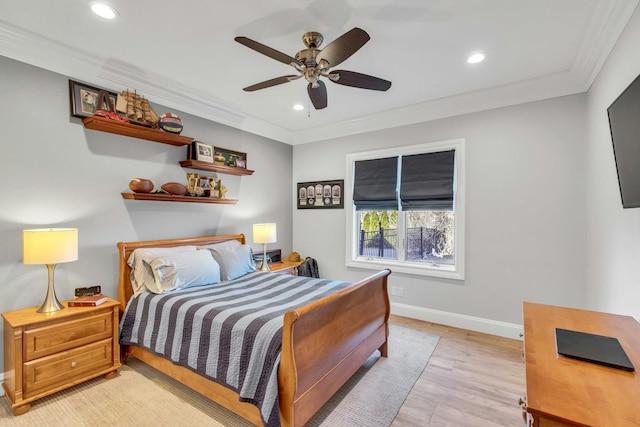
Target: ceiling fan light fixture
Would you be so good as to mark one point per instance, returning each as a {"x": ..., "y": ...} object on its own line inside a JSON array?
[
  {"x": 104, "y": 10},
  {"x": 313, "y": 63},
  {"x": 475, "y": 58},
  {"x": 298, "y": 107}
]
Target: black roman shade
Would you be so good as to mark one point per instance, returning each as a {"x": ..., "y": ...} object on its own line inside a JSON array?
[
  {"x": 374, "y": 184},
  {"x": 427, "y": 181}
]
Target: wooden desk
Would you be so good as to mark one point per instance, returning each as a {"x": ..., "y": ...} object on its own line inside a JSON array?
[{"x": 567, "y": 392}]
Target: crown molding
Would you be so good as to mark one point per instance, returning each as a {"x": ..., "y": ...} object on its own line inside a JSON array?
[
  {"x": 28, "y": 47},
  {"x": 551, "y": 86},
  {"x": 605, "y": 26},
  {"x": 607, "y": 22}
]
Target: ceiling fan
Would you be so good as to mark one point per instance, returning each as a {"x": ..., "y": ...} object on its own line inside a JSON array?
[{"x": 313, "y": 63}]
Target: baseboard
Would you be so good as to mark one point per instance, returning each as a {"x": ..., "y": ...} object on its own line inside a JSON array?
[{"x": 501, "y": 329}]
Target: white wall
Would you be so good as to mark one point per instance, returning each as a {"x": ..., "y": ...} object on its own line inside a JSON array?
[
  {"x": 53, "y": 172},
  {"x": 525, "y": 212},
  {"x": 613, "y": 255}
]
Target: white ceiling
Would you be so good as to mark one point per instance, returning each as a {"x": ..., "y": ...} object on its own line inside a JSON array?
[{"x": 182, "y": 55}]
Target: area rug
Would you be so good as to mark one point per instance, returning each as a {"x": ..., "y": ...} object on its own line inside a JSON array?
[{"x": 143, "y": 396}]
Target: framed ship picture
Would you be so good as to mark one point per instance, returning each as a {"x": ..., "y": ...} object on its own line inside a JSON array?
[{"x": 321, "y": 194}]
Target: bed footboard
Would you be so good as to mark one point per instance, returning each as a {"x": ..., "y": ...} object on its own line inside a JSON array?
[{"x": 324, "y": 344}]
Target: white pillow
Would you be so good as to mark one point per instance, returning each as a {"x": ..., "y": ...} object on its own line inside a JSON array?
[
  {"x": 142, "y": 277},
  {"x": 234, "y": 258},
  {"x": 162, "y": 270}
]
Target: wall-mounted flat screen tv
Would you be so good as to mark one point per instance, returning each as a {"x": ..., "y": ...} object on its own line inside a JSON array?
[{"x": 624, "y": 121}]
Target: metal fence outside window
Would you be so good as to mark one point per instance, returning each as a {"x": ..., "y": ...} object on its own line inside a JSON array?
[
  {"x": 421, "y": 245},
  {"x": 382, "y": 243}
]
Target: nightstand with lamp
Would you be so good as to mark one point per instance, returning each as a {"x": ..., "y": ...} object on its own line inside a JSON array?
[
  {"x": 264, "y": 234},
  {"x": 53, "y": 348}
]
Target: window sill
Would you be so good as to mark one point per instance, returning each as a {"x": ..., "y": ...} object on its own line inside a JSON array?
[{"x": 443, "y": 271}]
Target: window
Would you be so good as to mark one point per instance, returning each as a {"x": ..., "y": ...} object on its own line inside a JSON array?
[{"x": 407, "y": 209}]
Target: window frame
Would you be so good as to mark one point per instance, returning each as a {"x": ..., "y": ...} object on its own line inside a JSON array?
[{"x": 456, "y": 272}]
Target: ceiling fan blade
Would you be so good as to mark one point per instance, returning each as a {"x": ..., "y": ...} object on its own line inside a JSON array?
[
  {"x": 318, "y": 95},
  {"x": 343, "y": 47},
  {"x": 266, "y": 50},
  {"x": 273, "y": 82},
  {"x": 362, "y": 81}
]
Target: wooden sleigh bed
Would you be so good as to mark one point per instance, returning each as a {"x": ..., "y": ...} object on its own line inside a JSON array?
[{"x": 323, "y": 343}]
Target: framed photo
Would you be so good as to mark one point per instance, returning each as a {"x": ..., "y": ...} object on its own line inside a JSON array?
[
  {"x": 203, "y": 182},
  {"x": 226, "y": 157},
  {"x": 204, "y": 152},
  {"x": 84, "y": 99},
  {"x": 321, "y": 194}
]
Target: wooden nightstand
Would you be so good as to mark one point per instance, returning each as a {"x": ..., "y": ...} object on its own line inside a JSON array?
[
  {"x": 286, "y": 267},
  {"x": 48, "y": 352}
]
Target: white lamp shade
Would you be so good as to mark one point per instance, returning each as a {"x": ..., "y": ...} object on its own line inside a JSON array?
[
  {"x": 49, "y": 245},
  {"x": 264, "y": 233}
]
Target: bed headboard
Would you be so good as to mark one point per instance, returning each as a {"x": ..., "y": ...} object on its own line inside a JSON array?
[{"x": 125, "y": 290}]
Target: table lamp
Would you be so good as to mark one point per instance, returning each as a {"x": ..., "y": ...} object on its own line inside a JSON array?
[
  {"x": 50, "y": 246},
  {"x": 264, "y": 233}
]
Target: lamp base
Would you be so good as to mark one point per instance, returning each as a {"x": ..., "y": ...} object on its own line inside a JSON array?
[
  {"x": 50, "y": 303},
  {"x": 265, "y": 264}
]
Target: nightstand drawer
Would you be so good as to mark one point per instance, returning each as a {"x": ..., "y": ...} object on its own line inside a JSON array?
[
  {"x": 67, "y": 367},
  {"x": 50, "y": 339}
]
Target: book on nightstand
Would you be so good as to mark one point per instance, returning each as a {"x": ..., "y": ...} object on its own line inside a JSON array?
[{"x": 87, "y": 301}]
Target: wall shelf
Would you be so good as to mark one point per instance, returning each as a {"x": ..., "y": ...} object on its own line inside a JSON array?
[
  {"x": 229, "y": 170},
  {"x": 161, "y": 197},
  {"x": 114, "y": 126}
]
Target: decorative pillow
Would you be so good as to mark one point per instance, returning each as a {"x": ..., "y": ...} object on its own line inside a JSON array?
[
  {"x": 234, "y": 258},
  {"x": 162, "y": 270}
]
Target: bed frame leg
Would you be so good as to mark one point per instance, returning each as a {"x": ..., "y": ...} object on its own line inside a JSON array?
[{"x": 384, "y": 349}]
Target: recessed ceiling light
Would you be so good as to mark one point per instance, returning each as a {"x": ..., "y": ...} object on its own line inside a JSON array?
[
  {"x": 475, "y": 58},
  {"x": 104, "y": 10},
  {"x": 298, "y": 107}
]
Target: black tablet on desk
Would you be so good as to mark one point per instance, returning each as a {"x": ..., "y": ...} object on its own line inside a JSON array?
[{"x": 592, "y": 348}]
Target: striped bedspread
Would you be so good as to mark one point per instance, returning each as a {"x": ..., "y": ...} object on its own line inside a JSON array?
[{"x": 230, "y": 332}]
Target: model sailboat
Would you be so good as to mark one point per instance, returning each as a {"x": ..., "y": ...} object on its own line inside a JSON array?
[{"x": 136, "y": 109}]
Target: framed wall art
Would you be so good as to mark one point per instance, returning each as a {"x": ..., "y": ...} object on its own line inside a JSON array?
[
  {"x": 204, "y": 152},
  {"x": 321, "y": 194},
  {"x": 84, "y": 99},
  {"x": 226, "y": 157}
]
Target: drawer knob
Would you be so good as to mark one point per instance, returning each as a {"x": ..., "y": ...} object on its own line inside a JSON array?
[{"x": 73, "y": 364}]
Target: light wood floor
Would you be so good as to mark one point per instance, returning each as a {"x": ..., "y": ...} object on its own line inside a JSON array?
[{"x": 472, "y": 379}]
